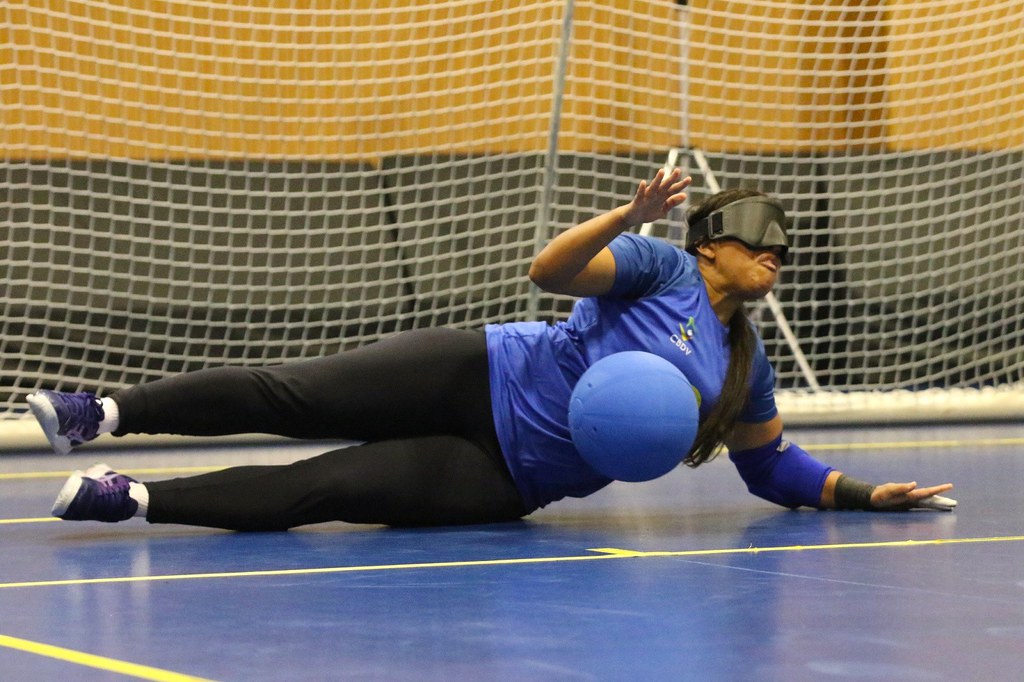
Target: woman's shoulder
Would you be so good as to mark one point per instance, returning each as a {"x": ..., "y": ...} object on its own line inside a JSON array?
[{"x": 645, "y": 265}]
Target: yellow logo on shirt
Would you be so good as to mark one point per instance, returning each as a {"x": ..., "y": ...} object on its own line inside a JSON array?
[{"x": 685, "y": 335}]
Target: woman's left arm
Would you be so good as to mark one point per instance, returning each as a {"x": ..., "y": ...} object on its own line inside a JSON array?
[
  {"x": 784, "y": 473},
  {"x": 578, "y": 261}
]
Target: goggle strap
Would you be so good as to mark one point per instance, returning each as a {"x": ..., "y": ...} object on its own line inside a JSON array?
[
  {"x": 710, "y": 227},
  {"x": 716, "y": 225}
]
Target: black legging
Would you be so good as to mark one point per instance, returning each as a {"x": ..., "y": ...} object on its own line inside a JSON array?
[{"x": 420, "y": 400}]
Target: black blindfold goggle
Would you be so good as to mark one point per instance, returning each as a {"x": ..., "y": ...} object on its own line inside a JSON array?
[{"x": 759, "y": 222}]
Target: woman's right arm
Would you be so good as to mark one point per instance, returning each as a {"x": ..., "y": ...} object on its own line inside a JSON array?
[{"x": 578, "y": 262}]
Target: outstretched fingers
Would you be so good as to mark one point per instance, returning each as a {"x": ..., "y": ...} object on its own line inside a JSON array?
[
  {"x": 908, "y": 495},
  {"x": 921, "y": 493},
  {"x": 654, "y": 199}
]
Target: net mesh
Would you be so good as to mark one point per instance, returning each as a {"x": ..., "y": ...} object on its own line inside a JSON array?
[{"x": 188, "y": 184}]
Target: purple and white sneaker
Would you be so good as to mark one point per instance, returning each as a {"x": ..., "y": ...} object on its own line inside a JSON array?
[
  {"x": 67, "y": 419},
  {"x": 96, "y": 494}
]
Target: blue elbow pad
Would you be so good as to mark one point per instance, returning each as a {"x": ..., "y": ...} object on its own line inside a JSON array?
[{"x": 783, "y": 473}]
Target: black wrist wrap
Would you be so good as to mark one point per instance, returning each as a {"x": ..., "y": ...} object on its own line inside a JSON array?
[{"x": 853, "y": 494}]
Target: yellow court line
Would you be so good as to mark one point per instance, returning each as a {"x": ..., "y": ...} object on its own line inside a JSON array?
[
  {"x": 600, "y": 554},
  {"x": 156, "y": 471},
  {"x": 615, "y": 553},
  {"x": 900, "y": 445},
  {"x": 143, "y": 672},
  {"x": 880, "y": 445},
  {"x": 41, "y": 519}
]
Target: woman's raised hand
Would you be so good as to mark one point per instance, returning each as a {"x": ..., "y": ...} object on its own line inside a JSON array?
[{"x": 653, "y": 200}]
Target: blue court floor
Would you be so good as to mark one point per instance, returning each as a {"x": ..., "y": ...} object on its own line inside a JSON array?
[{"x": 684, "y": 578}]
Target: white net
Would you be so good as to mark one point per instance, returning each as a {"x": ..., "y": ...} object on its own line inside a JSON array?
[
  {"x": 198, "y": 183},
  {"x": 893, "y": 130},
  {"x": 193, "y": 183}
]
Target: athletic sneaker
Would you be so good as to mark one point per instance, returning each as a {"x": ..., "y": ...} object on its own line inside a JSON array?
[
  {"x": 96, "y": 494},
  {"x": 67, "y": 419}
]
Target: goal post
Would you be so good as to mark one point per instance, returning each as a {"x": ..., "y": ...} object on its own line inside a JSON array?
[{"x": 187, "y": 184}]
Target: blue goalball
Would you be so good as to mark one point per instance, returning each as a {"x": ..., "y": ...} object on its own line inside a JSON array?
[{"x": 633, "y": 416}]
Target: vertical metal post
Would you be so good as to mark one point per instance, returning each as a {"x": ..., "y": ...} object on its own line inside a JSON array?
[{"x": 551, "y": 159}]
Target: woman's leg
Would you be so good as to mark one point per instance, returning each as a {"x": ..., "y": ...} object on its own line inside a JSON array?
[
  {"x": 431, "y": 381},
  {"x": 429, "y": 481}
]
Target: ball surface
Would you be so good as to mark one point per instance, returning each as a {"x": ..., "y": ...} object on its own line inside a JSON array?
[{"x": 633, "y": 416}]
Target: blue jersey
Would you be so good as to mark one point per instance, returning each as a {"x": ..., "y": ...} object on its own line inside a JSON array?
[{"x": 658, "y": 304}]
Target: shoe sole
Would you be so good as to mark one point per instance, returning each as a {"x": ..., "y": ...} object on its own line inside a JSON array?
[
  {"x": 67, "y": 495},
  {"x": 46, "y": 415}
]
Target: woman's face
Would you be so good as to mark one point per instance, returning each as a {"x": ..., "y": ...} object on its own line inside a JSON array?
[{"x": 748, "y": 274}]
